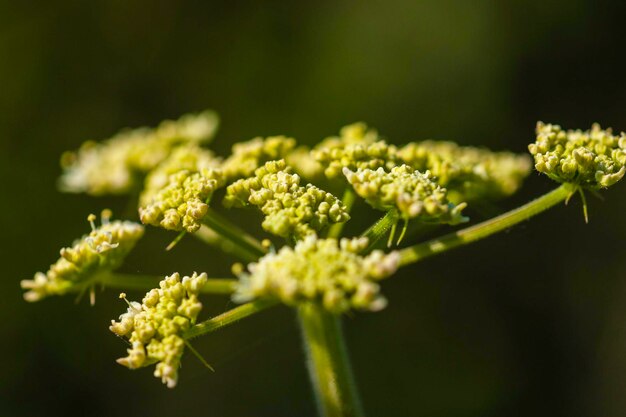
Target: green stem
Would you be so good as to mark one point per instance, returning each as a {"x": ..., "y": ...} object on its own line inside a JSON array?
[
  {"x": 146, "y": 282},
  {"x": 246, "y": 247},
  {"x": 349, "y": 196},
  {"x": 379, "y": 229},
  {"x": 328, "y": 363},
  {"x": 482, "y": 230},
  {"x": 229, "y": 317},
  {"x": 210, "y": 237}
]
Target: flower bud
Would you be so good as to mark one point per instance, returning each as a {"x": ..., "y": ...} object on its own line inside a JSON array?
[
  {"x": 101, "y": 251},
  {"x": 335, "y": 275},
  {"x": 155, "y": 328},
  {"x": 593, "y": 159}
]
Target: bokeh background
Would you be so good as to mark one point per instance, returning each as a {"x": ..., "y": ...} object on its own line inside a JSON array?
[{"x": 531, "y": 322}]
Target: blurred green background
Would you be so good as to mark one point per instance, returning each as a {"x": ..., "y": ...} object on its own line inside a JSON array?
[{"x": 531, "y": 322}]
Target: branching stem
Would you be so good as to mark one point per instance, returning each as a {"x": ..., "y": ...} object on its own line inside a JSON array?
[
  {"x": 482, "y": 230},
  {"x": 244, "y": 246},
  {"x": 379, "y": 229},
  {"x": 229, "y": 317},
  {"x": 146, "y": 282}
]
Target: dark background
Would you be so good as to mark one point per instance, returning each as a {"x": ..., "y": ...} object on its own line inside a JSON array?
[{"x": 531, "y": 322}]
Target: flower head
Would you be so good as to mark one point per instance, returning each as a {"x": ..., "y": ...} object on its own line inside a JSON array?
[
  {"x": 102, "y": 250},
  {"x": 247, "y": 156},
  {"x": 115, "y": 166},
  {"x": 354, "y": 156},
  {"x": 468, "y": 172},
  {"x": 305, "y": 162},
  {"x": 594, "y": 158},
  {"x": 155, "y": 327},
  {"x": 413, "y": 194},
  {"x": 183, "y": 202},
  {"x": 290, "y": 209},
  {"x": 190, "y": 157},
  {"x": 327, "y": 271}
]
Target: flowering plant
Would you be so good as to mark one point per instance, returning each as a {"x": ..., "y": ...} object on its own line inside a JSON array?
[{"x": 304, "y": 261}]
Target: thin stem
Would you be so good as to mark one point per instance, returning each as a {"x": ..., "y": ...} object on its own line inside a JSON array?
[
  {"x": 210, "y": 237},
  {"x": 379, "y": 229},
  {"x": 229, "y": 317},
  {"x": 328, "y": 363},
  {"x": 245, "y": 246},
  {"x": 349, "y": 196},
  {"x": 146, "y": 282},
  {"x": 482, "y": 230}
]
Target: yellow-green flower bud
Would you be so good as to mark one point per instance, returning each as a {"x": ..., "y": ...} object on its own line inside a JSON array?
[
  {"x": 247, "y": 156},
  {"x": 594, "y": 158},
  {"x": 326, "y": 271},
  {"x": 413, "y": 194},
  {"x": 115, "y": 166},
  {"x": 354, "y": 156},
  {"x": 304, "y": 162},
  {"x": 183, "y": 202},
  {"x": 190, "y": 157},
  {"x": 101, "y": 251},
  {"x": 155, "y": 327},
  {"x": 290, "y": 209},
  {"x": 467, "y": 172}
]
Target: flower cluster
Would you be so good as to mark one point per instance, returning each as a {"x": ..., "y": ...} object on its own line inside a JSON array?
[
  {"x": 246, "y": 157},
  {"x": 155, "y": 328},
  {"x": 290, "y": 209},
  {"x": 327, "y": 271},
  {"x": 470, "y": 173},
  {"x": 115, "y": 166},
  {"x": 190, "y": 157},
  {"x": 304, "y": 162},
  {"x": 355, "y": 156},
  {"x": 413, "y": 194},
  {"x": 594, "y": 158},
  {"x": 102, "y": 250},
  {"x": 183, "y": 202}
]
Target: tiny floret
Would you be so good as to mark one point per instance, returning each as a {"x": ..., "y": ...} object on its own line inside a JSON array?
[
  {"x": 469, "y": 173},
  {"x": 324, "y": 271},
  {"x": 101, "y": 251},
  {"x": 291, "y": 210},
  {"x": 247, "y": 156},
  {"x": 304, "y": 161},
  {"x": 413, "y": 194},
  {"x": 155, "y": 327},
  {"x": 354, "y": 156},
  {"x": 183, "y": 202},
  {"x": 116, "y": 165},
  {"x": 592, "y": 159},
  {"x": 191, "y": 157}
]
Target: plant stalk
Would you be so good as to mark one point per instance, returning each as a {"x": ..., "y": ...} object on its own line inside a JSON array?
[
  {"x": 379, "y": 229},
  {"x": 328, "y": 363},
  {"x": 487, "y": 228},
  {"x": 146, "y": 282},
  {"x": 229, "y": 317},
  {"x": 210, "y": 237},
  {"x": 244, "y": 246}
]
